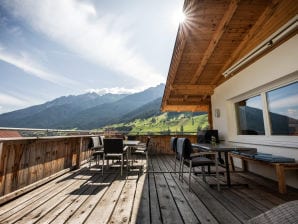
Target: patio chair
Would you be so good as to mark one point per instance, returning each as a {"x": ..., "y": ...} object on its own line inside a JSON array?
[
  {"x": 96, "y": 150},
  {"x": 114, "y": 149},
  {"x": 282, "y": 214},
  {"x": 173, "y": 143},
  {"x": 186, "y": 157},
  {"x": 142, "y": 150}
]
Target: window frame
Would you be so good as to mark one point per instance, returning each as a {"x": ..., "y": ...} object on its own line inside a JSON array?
[{"x": 286, "y": 141}]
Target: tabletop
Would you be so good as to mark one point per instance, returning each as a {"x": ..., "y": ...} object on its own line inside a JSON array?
[
  {"x": 222, "y": 147},
  {"x": 131, "y": 142}
]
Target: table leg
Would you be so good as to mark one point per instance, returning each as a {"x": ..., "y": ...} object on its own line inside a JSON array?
[{"x": 227, "y": 169}]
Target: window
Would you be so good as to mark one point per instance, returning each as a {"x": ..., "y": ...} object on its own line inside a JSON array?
[
  {"x": 250, "y": 116},
  {"x": 283, "y": 110}
]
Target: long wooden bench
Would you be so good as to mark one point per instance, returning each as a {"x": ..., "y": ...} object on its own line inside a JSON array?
[{"x": 279, "y": 168}]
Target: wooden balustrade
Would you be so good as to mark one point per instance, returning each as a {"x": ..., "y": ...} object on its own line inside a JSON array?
[
  {"x": 27, "y": 161},
  {"x": 160, "y": 144}
]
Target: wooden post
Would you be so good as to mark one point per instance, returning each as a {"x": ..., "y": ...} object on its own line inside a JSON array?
[
  {"x": 78, "y": 162},
  {"x": 210, "y": 121},
  {"x": 280, "y": 173}
]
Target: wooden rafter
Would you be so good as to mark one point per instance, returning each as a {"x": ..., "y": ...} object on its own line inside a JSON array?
[
  {"x": 258, "y": 27},
  {"x": 175, "y": 62},
  {"x": 192, "y": 89},
  {"x": 222, "y": 26},
  {"x": 180, "y": 108}
]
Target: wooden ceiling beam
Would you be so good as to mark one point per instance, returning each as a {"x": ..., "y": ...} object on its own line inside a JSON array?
[
  {"x": 183, "y": 101},
  {"x": 176, "y": 58},
  {"x": 186, "y": 108},
  {"x": 222, "y": 26},
  {"x": 258, "y": 27},
  {"x": 179, "y": 89}
]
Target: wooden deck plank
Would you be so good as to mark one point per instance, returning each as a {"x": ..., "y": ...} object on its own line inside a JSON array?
[
  {"x": 41, "y": 206},
  {"x": 185, "y": 209},
  {"x": 141, "y": 199},
  {"x": 103, "y": 210},
  {"x": 155, "y": 215},
  {"x": 212, "y": 199},
  {"x": 199, "y": 209},
  {"x": 33, "y": 195},
  {"x": 123, "y": 208},
  {"x": 63, "y": 211},
  {"x": 28, "y": 205},
  {"x": 168, "y": 207},
  {"x": 84, "y": 197},
  {"x": 143, "y": 211}
]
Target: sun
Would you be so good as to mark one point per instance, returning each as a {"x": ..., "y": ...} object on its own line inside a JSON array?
[{"x": 178, "y": 17}]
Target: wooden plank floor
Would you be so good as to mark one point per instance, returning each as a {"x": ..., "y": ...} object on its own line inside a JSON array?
[{"x": 84, "y": 196}]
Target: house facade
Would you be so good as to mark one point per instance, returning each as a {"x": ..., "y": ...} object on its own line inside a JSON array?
[{"x": 238, "y": 61}]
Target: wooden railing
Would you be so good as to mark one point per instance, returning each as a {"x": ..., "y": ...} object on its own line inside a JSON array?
[{"x": 26, "y": 163}]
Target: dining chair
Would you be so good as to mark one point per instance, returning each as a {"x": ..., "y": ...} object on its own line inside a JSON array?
[
  {"x": 173, "y": 144},
  {"x": 142, "y": 149},
  {"x": 192, "y": 160},
  {"x": 96, "y": 150},
  {"x": 113, "y": 149}
]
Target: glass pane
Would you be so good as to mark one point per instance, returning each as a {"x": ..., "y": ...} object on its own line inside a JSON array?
[
  {"x": 283, "y": 110},
  {"x": 250, "y": 116}
]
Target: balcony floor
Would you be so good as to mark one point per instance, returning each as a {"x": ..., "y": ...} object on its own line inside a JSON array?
[{"x": 84, "y": 196}]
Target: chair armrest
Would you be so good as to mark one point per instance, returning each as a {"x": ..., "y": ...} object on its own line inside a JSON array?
[{"x": 125, "y": 149}]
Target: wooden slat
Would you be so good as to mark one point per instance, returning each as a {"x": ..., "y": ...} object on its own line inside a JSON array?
[
  {"x": 168, "y": 208},
  {"x": 107, "y": 203},
  {"x": 89, "y": 196},
  {"x": 221, "y": 28}
]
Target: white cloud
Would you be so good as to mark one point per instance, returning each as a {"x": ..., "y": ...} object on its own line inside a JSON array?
[
  {"x": 11, "y": 101},
  {"x": 98, "y": 37},
  {"x": 290, "y": 101},
  {"x": 114, "y": 90},
  {"x": 27, "y": 64}
]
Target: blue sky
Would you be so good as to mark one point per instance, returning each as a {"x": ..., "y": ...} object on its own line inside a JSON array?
[{"x": 52, "y": 48}]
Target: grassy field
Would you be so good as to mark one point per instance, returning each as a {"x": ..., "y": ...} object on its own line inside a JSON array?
[{"x": 165, "y": 123}]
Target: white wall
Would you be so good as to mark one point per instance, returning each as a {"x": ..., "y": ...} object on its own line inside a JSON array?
[{"x": 275, "y": 69}]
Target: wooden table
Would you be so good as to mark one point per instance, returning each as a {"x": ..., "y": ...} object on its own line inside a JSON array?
[{"x": 225, "y": 148}]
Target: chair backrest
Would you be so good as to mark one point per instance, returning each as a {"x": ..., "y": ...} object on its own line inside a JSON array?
[
  {"x": 174, "y": 144},
  {"x": 147, "y": 142},
  {"x": 102, "y": 137},
  {"x": 96, "y": 142},
  {"x": 131, "y": 137},
  {"x": 113, "y": 145},
  {"x": 184, "y": 148}
]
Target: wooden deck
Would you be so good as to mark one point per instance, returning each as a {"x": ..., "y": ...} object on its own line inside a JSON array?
[{"x": 84, "y": 196}]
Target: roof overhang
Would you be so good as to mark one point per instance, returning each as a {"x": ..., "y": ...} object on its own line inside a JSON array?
[{"x": 215, "y": 36}]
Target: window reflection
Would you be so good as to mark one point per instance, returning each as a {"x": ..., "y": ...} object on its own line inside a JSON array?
[
  {"x": 250, "y": 116},
  {"x": 283, "y": 110}
]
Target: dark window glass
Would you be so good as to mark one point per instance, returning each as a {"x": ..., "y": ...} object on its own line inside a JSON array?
[
  {"x": 250, "y": 116},
  {"x": 283, "y": 110}
]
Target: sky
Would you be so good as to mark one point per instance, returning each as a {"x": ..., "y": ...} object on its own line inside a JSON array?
[{"x": 53, "y": 48}]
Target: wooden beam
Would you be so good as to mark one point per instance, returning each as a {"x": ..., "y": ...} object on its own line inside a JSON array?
[
  {"x": 258, "y": 27},
  {"x": 186, "y": 108},
  {"x": 192, "y": 89},
  {"x": 176, "y": 57},
  {"x": 221, "y": 28},
  {"x": 185, "y": 103}
]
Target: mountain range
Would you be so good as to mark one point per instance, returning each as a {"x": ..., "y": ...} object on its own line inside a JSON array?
[{"x": 86, "y": 111}]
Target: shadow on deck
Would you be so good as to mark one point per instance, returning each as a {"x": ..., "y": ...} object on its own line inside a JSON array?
[{"x": 84, "y": 196}]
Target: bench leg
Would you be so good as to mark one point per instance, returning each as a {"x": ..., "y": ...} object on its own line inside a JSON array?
[
  {"x": 232, "y": 163},
  {"x": 280, "y": 173}
]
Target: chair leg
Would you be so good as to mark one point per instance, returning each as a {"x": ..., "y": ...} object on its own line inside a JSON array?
[
  {"x": 217, "y": 175},
  {"x": 189, "y": 178},
  {"x": 175, "y": 163},
  {"x": 182, "y": 169},
  {"x": 121, "y": 164},
  {"x": 103, "y": 163},
  {"x": 203, "y": 172}
]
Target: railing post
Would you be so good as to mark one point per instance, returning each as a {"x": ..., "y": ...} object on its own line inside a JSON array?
[{"x": 78, "y": 162}]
